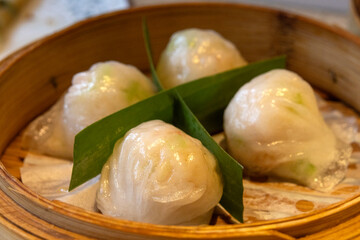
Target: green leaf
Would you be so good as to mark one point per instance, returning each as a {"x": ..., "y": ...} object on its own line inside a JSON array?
[
  {"x": 209, "y": 96},
  {"x": 95, "y": 144},
  {"x": 206, "y": 97},
  {"x": 209, "y": 105},
  {"x": 150, "y": 56},
  {"x": 231, "y": 170}
]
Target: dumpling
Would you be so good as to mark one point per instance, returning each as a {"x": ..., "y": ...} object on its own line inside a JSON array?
[
  {"x": 273, "y": 127},
  {"x": 158, "y": 174},
  {"x": 106, "y": 88},
  {"x": 194, "y": 53}
]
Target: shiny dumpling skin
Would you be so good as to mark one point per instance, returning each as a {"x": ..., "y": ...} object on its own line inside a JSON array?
[
  {"x": 102, "y": 90},
  {"x": 195, "y": 53},
  {"x": 158, "y": 174},
  {"x": 273, "y": 127}
]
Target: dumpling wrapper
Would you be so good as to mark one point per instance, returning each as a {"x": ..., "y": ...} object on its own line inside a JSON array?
[
  {"x": 50, "y": 178},
  {"x": 273, "y": 127},
  {"x": 158, "y": 174},
  {"x": 194, "y": 53},
  {"x": 104, "y": 89}
]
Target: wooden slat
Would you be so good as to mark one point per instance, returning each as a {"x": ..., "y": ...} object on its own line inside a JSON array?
[{"x": 347, "y": 230}]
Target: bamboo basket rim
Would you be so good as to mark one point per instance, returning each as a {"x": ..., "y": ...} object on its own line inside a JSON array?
[
  {"x": 13, "y": 57},
  {"x": 12, "y": 184}
]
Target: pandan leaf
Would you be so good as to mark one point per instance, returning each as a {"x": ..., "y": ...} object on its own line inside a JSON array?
[
  {"x": 195, "y": 107},
  {"x": 231, "y": 170},
  {"x": 150, "y": 56},
  {"x": 94, "y": 144}
]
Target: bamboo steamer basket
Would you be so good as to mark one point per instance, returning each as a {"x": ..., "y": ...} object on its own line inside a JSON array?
[{"x": 33, "y": 78}]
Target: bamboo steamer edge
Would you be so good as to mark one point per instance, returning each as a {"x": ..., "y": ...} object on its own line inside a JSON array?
[{"x": 35, "y": 76}]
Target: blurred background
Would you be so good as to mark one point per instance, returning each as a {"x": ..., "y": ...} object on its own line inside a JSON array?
[{"x": 24, "y": 21}]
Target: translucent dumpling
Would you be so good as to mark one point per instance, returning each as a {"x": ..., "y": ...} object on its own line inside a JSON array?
[
  {"x": 104, "y": 89},
  {"x": 273, "y": 127},
  {"x": 158, "y": 174},
  {"x": 194, "y": 53}
]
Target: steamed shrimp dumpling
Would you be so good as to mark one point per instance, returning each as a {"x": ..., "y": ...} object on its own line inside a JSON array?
[
  {"x": 158, "y": 174},
  {"x": 106, "y": 88},
  {"x": 273, "y": 127},
  {"x": 193, "y": 53}
]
